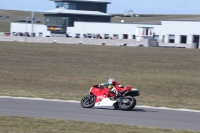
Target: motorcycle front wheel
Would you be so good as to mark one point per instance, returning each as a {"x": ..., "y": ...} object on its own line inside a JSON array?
[
  {"x": 128, "y": 103},
  {"x": 88, "y": 101}
]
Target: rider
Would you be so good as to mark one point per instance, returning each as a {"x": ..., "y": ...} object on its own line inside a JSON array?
[{"x": 111, "y": 84}]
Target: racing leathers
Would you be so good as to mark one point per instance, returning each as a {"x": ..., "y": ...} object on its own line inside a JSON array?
[{"x": 114, "y": 87}]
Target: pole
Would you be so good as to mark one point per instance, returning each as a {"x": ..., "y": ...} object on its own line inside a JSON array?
[
  {"x": 32, "y": 21},
  {"x": 35, "y": 26},
  {"x": 26, "y": 23},
  {"x": 26, "y": 34}
]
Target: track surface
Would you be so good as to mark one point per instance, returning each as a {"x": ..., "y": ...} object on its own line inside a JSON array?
[{"x": 158, "y": 118}]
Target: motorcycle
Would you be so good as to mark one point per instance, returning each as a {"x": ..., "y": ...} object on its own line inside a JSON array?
[{"x": 101, "y": 97}]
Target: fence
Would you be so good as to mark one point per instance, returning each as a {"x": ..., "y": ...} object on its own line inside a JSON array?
[{"x": 91, "y": 41}]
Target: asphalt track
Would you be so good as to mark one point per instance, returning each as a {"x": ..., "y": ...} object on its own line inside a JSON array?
[{"x": 159, "y": 118}]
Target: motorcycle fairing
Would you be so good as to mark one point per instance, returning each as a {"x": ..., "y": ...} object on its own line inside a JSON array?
[{"x": 105, "y": 103}]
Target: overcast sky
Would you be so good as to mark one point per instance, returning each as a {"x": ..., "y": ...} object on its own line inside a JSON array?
[{"x": 117, "y": 6}]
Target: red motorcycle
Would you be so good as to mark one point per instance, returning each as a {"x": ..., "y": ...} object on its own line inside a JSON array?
[{"x": 101, "y": 97}]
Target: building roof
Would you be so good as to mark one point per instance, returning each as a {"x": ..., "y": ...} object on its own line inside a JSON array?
[
  {"x": 79, "y": 12},
  {"x": 93, "y": 1}
]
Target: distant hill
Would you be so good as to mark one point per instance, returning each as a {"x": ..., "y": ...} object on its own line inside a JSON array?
[
  {"x": 153, "y": 18},
  {"x": 7, "y": 16},
  {"x": 19, "y": 13}
]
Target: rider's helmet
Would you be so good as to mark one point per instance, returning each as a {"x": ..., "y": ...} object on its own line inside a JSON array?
[
  {"x": 110, "y": 87},
  {"x": 111, "y": 80}
]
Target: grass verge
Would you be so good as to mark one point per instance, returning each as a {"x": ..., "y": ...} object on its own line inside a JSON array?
[
  {"x": 165, "y": 77},
  {"x": 35, "y": 125}
]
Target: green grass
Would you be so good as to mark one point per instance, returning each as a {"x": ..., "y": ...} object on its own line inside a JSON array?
[
  {"x": 36, "y": 125},
  {"x": 165, "y": 77}
]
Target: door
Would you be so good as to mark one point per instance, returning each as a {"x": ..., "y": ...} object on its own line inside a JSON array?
[{"x": 196, "y": 40}]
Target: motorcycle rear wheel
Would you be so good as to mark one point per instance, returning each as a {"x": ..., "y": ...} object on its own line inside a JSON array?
[
  {"x": 115, "y": 106},
  {"x": 88, "y": 102},
  {"x": 131, "y": 102}
]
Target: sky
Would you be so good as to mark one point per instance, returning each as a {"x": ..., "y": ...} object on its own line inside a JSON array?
[{"x": 117, "y": 6}]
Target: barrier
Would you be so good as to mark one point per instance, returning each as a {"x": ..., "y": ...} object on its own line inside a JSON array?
[
  {"x": 92, "y": 41},
  {"x": 54, "y": 41},
  {"x": 80, "y": 42},
  {"x": 103, "y": 43}
]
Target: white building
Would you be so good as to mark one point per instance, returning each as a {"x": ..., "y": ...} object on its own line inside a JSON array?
[
  {"x": 185, "y": 32},
  {"x": 86, "y": 18},
  {"x": 39, "y": 30},
  {"x": 89, "y": 17},
  {"x": 169, "y": 32}
]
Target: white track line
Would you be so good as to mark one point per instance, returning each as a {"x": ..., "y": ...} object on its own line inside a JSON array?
[
  {"x": 73, "y": 101},
  {"x": 39, "y": 99}
]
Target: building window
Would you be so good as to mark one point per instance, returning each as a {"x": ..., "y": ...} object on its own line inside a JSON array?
[
  {"x": 133, "y": 37},
  {"x": 125, "y": 36},
  {"x": 116, "y": 36},
  {"x": 147, "y": 31},
  {"x": 66, "y": 5},
  {"x": 183, "y": 39},
  {"x": 57, "y": 22},
  {"x": 156, "y": 37},
  {"x": 106, "y": 36},
  {"x": 89, "y": 35},
  {"x": 171, "y": 38},
  {"x": 196, "y": 41},
  {"x": 72, "y": 6},
  {"x": 163, "y": 38},
  {"x": 54, "y": 21},
  {"x": 58, "y": 4},
  {"x": 71, "y": 22},
  {"x": 65, "y": 21},
  {"x": 33, "y": 35}
]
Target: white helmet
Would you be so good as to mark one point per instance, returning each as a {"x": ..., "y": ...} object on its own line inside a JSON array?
[{"x": 110, "y": 80}]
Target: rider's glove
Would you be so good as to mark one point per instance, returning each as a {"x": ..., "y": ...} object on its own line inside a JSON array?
[{"x": 119, "y": 95}]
